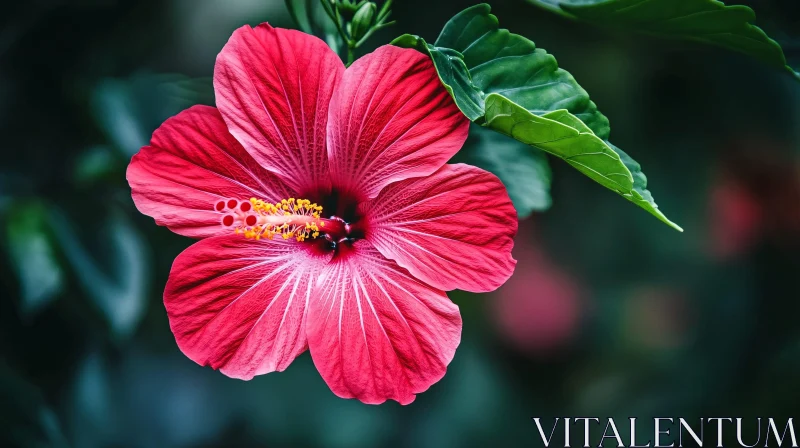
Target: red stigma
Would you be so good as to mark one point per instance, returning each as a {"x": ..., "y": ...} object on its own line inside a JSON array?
[
  {"x": 232, "y": 203},
  {"x": 220, "y": 206},
  {"x": 251, "y": 220},
  {"x": 245, "y": 207},
  {"x": 227, "y": 221}
]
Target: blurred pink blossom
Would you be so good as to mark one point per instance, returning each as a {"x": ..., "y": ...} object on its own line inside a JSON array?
[
  {"x": 754, "y": 199},
  {"x": 736, "y": 219},
  {"x": 539, "y": 308}
]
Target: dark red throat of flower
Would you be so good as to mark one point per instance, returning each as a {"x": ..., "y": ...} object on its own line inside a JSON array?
[{"x": 290, "y": 218}]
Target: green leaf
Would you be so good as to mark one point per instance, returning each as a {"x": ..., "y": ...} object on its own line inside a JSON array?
[
  {"x": 94, "y": 164},
  {"x": 116, "y": 279},
  {"x": 91, "y": 404},
  {"x": 299, "y": 10},
  {"x": 129, "y": 110},
  {"x": 502, "y": 81},
  {"x": 26, "y": 420},
  {"x": 565, "y": 136},
  {"x": 475, "y": 57},
  {"x": 706, "y": 21},
  {"x": 453, "y": 73},
  {"x": 524, "y": 171},
  {"x": 33, "y": 257}
]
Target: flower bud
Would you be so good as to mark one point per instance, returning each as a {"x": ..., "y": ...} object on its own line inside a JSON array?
[
  {"x": 348, "y": 7},
  {"x": 362, "y": 20}
]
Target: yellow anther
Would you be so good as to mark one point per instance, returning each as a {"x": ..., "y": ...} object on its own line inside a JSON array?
[{"x": 290, "y": 218}]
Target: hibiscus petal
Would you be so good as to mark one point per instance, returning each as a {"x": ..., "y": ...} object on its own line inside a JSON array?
[
  {"x": 273, "y": 87},
  {"x": 391, "y": 119},
  {"x": 376, "y": 333},
  {"x": 239, "y": 305},
  {"x": 453, "y": 229},
  {"x": 192, "y": 163}
]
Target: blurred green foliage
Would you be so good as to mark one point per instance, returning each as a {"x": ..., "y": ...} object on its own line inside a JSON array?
[
  {"x": 667, "y": 324},
  {"x": 32, "y": 254}
]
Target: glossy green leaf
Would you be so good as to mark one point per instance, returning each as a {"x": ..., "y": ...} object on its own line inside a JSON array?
[
  {"x": 706, "y": 21},
  {"x": 475, "y": 57},
  {"x": 565, "y": 136},
  {"x": 502, "y": 81},
  {"x": 33, "y": 256},
  {"x": 453, "y": 73},
  {"x": 524, "y": 171}
]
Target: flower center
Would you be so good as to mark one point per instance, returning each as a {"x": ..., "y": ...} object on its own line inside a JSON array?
[{"x": 291, "y": 218}]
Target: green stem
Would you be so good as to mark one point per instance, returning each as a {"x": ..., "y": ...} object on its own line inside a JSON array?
[
  {"x": 351, "y": 54},
  {"x": 371, "y": 31},
  {"x": 335, "y": 18},
  {"x": 384, "y": 12}
]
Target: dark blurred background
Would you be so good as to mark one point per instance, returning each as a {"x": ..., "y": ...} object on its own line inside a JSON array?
[{"x": 610, "y": 313}]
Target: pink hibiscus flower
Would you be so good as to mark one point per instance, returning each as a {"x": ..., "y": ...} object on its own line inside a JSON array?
[{"x": 327, "y": 215}]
